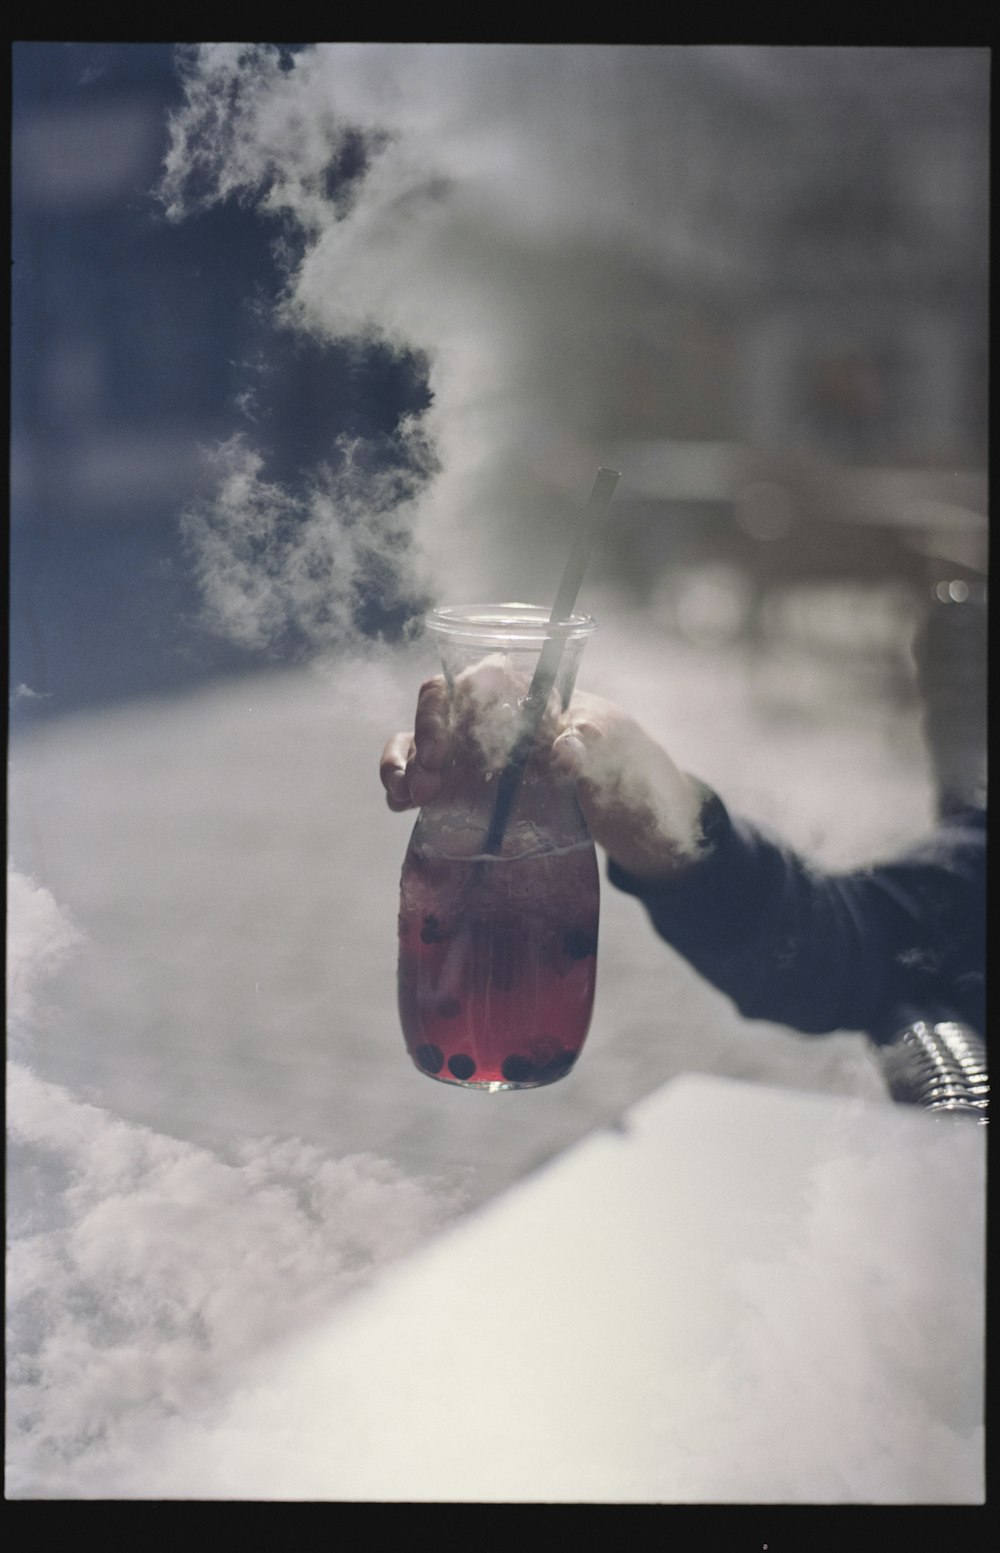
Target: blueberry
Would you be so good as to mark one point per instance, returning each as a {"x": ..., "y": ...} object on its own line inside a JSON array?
[
  {"x": 578, "y": 945},
  {"x": 430, "y": 1058},
  {"x": 518, "y": 1070},
  {"x": 462, "y": 1066},
  {"x": 431, "y": 932},
  {"x": 549, "y": 1059},
  {"x": 559, "y": 1064}
]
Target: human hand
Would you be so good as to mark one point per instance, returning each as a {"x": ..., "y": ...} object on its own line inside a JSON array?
[
  {"x": 475, "y": 725},
  {"x": 638, "y": 805},
  {"x": 412, "y": 763}
]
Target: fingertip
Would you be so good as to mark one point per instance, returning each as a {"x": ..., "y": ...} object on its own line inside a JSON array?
[
  {"x": 397, "y": 789},
  {"x": 429, "y": 751},
  {"x": 568, "y": 752}
]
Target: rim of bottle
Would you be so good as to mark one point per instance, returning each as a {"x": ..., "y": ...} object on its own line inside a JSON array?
[{"x": 506, "y": 622}]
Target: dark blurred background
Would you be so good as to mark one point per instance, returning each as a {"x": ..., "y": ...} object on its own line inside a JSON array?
[
  {"x": 813, "y": 413},
  {"x": 137, "y": 345},
  {"x": 824, "y": 411}
]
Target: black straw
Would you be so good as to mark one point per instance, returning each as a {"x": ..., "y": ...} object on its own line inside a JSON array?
[{"x": 550, "y": 657}]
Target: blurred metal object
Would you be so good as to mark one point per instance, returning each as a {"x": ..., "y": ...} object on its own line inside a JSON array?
[{"x": 939, "y": 1066}]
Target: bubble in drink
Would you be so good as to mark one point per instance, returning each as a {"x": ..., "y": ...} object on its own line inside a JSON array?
[{"x": 497, "y": 965}]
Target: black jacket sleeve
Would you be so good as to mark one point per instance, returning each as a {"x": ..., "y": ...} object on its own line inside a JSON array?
[{"x": 830, "y": 951}]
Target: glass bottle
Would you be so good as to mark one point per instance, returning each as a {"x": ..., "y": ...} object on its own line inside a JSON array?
[{"x": 498, "y": 934}]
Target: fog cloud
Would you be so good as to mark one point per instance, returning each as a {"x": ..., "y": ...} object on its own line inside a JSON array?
[
  {"x": 509, "y": 212},
  {"x": 282, "y": 569},
  {"x": 40, "y": 937},
  {"x": 145, "y": 1273}
]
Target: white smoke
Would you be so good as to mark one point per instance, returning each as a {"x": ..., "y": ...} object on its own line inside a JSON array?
[
  {"x": 514, "y": 221},
  {"x": 158, "y": 1271},
  {"x": 145, "y": 1273},
  {"x": 40, "y": 937},
  {"x": 278, "y": 566},
  {"x": 545, "y": 225}
]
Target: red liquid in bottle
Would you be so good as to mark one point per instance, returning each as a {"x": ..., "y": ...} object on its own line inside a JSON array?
[{"x": 497, "y": 964}]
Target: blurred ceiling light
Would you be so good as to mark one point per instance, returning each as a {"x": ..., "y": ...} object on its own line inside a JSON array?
[
  {"x": 955, "y": 592},
  {"x": 712, "y": 605}
]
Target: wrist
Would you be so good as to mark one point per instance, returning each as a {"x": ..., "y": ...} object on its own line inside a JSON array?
[{"x": 655, "y": 855}]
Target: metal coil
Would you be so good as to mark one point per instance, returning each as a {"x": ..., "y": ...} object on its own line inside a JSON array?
[{"x": 938, "y": 1067}]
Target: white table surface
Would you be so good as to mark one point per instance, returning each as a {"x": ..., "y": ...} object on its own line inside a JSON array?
[{"x": 743, "y": 1295}]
